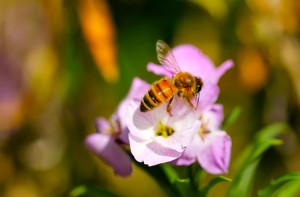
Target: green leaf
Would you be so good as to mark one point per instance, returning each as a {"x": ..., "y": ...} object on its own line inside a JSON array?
[
  {"x": 212, "y": 183},
  {"x": 243, "y": 181},
  {"x": 91, "y": 191},
  {"x": 272, "y": 130},
  {"x": 281, "y": 182},
  {"x": 261, "y": 147},
  {"x": 231, "y": 118},
  {"x": 290, "y": 189}
]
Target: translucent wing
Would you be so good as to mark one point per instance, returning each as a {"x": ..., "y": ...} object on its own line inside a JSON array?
[{"x": 166, "y": 57}]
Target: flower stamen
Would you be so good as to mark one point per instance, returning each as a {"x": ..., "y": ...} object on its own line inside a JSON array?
[
  {"x": 203, "y": 129},
  {"x": 164, "y": 130}
]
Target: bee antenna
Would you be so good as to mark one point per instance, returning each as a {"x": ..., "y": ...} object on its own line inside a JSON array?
[{"x": 198, "y": 96}]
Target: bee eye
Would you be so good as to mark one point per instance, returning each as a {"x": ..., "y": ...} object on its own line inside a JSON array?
[
  {"x": 198, "y": 88},
  {"x": 199, "y": 85}
]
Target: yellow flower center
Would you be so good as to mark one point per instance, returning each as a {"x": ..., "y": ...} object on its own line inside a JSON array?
[
  {"x": 164, "y": 130},
  {"x": 203, "y": 129}
]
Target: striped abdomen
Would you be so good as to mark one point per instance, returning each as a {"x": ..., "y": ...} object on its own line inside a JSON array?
[{"x": 160, "y": 92}]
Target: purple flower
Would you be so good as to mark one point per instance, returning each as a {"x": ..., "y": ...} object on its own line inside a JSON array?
[
  {"x": 156, "y": 137},
  {"x": 192, "y": 60},
  {"x": 211, "y": 146},
  {"x": 113, "y": 134},
  {"x": 106, "y": 145}
]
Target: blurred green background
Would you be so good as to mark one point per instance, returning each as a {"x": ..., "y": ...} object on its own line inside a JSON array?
[{"x": 64, "y": 63}]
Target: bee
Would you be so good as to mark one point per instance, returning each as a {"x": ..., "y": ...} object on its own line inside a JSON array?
[{"x": 183, "y": 84}]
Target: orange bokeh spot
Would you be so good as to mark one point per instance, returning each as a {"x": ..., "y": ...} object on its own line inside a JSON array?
[
  {"x": 99, "y": 32},
  {"x": 253, "y": 71}
]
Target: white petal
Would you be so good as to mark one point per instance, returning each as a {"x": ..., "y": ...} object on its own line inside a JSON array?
[{"x": 151, "y": 153}]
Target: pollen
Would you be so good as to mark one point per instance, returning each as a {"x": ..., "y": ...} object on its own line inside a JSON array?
[{"x": 164, "y": 130}]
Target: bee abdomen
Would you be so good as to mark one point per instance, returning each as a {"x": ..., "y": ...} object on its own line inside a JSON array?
[
  {"x": 145, "y": 105},
  {"x": 160, "y": 92},
  {"x": 150, "y": 100}
]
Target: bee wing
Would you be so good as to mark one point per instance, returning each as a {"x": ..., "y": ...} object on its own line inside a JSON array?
[{"x": 166, "y": 57}]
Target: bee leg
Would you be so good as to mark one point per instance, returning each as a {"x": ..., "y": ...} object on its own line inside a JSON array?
[
  {"x": 190, "y": 102},
  {"x": 169, "y": 106}
]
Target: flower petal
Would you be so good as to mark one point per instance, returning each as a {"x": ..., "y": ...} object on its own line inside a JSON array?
[
  {"x": 218, "y": 113},
  {"x": 192, "y": 60},
  {"x": 137, "y": 90},
  {"x": 123, "y": 136},
  {"x": 150, "y": 152},
  {"x": 185, "y": 124},
  {"x": 159, "y": 70},
  {"x": 184, "y": 160},
  {"x": 222, "y": 69},
  {"x": 108, "y": 150},
  {"x": 208, "y": 95},
  {"x": 188, "y": 157},
  {"x": 151, "y": 149},
  {"x": 214, "y": 155},
  {"x": 102, "y": 126},
  {"x": 212, "y": 117},
  {"x": 140, "y": 124}
]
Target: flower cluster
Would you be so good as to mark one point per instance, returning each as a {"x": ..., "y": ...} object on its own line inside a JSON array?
[{"x": 155, "y": 137}]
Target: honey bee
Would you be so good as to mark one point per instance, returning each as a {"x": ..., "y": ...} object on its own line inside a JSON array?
[{"x": 183, "y": 84}]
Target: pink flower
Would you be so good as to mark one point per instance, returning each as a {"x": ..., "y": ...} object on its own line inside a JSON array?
[
  {"x": 106, "y": 145},
  {"x": 211, "y": 146},
  {"x": 155, "y": 137},
  {"x": 113, "y": 134}
]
